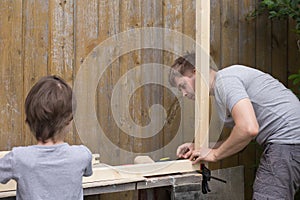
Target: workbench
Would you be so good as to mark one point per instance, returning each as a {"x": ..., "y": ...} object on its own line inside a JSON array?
[{"x": 180, "y": 185}]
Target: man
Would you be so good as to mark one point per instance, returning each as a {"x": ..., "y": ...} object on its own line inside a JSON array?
[{"x": 256, "y": 106}]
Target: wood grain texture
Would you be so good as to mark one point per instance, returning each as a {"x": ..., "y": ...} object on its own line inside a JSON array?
[
  {"x": 61, "y": 50},
  {"x": 11, "y": 62},
  {"x": 246, "y": 34},
  {"x": 40, "y": 37},
  {"x": 229, "y": 48},
  {"x": 293, "y": 54},
  {"x": 280, "y": 50},
  {"x": 36, "y": 52},
  {"x": 263, "y": 43},
  {"x": 129, "y": 173},
  {"x": 202, "y": 74},
  {"x": 172, "y": 19},
  {"x": 229, "y": 32}
]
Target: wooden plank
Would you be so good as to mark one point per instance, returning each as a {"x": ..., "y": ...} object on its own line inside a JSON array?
[
  {"x": 202, "y": 75},
  {"x": 8, "y": 187},
  {"x": 36, "y": 52},
  {"x": 128, "y": 20},
  {"x": 61, "y": 39},
  {"x": 85, "y": 31},
  {"x": 170, "y": 180},
  {"x": 109, "y": 14},
  {"x": 215, "y": 32},
  {"x": 103, "y": 173},
  {"x": 279, "y": 50},
  {"x": 189, "y": 31},
  {"x": 3, "y": 153},
  {"x": 11, "y": 57},
  {"x": 215, "y": 53},
  {"x": 62, "y": 43},
  {"x": 247, "y": 54},
  {"x": 106, "y": 172},
  {"x": 293, "y": 53},
  {"x": 229, "y": 32},
  {"x": 172, "y": 19},
  {"x": 246, "y": 34},
  {"x": 110, "y": 187},
  {"x": 229, "y": 48},
  {"x": 187, "y": 191},
  {"x": 151, "y": 94},
  {"x": 263, "y": 43}
]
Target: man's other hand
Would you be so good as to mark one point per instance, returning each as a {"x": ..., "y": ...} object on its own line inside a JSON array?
[{"x": 185, "y": 150}]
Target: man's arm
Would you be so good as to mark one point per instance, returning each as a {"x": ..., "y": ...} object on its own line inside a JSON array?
[{"x": 245, "y": 129}]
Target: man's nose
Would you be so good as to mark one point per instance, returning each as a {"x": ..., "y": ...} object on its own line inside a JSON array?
[{"x": 184, "y": 93}]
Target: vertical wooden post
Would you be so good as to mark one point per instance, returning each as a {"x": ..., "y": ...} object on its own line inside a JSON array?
[{"x": 202, "y": 73}]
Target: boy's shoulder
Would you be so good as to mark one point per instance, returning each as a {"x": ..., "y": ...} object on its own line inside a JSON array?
[
  {"x": 81, "y": 148},
  {"x": 47, "y": 149}
]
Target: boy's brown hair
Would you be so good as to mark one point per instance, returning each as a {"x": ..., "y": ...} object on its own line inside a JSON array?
[{"x": 48, "y": 107}]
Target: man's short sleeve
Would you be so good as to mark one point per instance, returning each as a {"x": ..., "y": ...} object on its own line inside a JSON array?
[
  {"x": 231, "y": 90},
  {"x": 6, "y": 168}
]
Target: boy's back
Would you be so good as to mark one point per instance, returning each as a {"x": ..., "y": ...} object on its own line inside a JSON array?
[
  {"x": 47, "y": 172},
  {"x": 52, "y": 169}
]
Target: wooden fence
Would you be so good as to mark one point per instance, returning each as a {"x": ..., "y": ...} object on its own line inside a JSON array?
[{"x": 40, "y": 37}]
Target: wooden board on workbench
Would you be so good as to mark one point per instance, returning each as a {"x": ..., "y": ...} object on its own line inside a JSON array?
[{"x": 129, "y": 173}]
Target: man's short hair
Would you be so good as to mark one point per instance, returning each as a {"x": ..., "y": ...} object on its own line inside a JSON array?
[
  {"x": 183, "y": 64},
  {"x": 180, "y": 66},
  {"x": 48, "y": 107}
]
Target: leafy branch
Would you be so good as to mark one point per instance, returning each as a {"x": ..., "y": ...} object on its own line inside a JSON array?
[
  {"x": 296, "y": 80},
  {"x": 282, "y": 9}
]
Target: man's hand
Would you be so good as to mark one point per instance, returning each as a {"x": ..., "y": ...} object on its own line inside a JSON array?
[
  {"x": 185, "y": 150},
  {"x": 204, "y": 154}
]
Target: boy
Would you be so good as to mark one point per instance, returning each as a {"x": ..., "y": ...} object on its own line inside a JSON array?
[{"x": 51, "y": 169}]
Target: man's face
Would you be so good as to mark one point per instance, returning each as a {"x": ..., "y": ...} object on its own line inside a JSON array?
[{"x": 186, "y": 84}]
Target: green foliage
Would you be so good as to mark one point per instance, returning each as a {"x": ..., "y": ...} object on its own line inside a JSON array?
[
  {"x": 280, "y": 9},
  {"x": 296, "y": 81}
]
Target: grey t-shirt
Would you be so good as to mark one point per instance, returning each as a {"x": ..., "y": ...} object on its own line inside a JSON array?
[
  {"x": 277, "y": 109},
  {"x": 47, "y": 172}
]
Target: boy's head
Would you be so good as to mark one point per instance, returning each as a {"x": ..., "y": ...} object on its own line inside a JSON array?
[{"x": 48, "y": 107}]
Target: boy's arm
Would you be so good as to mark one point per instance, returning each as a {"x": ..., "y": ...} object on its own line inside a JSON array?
[
  {"x": 88, "y": 170},
  {"x": 6, "y": 168}
]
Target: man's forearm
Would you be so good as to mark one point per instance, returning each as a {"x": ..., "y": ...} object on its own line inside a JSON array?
[{"x": 234, "y": 143}]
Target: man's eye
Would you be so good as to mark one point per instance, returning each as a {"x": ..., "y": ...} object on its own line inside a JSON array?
[{"x": 182, "y": 86}]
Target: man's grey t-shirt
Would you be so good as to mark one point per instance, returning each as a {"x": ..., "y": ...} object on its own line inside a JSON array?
[
  {"x": 47, "y": 172},
  {"x": 277, "y": 109}
]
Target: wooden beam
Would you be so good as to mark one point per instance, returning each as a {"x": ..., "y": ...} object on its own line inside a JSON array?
[
  {"x": 114, "y": 174},
  {"x": 3, "y": 153},
  {"x": 202, "y": 73},
  {"x": 107, "y": 172}
]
